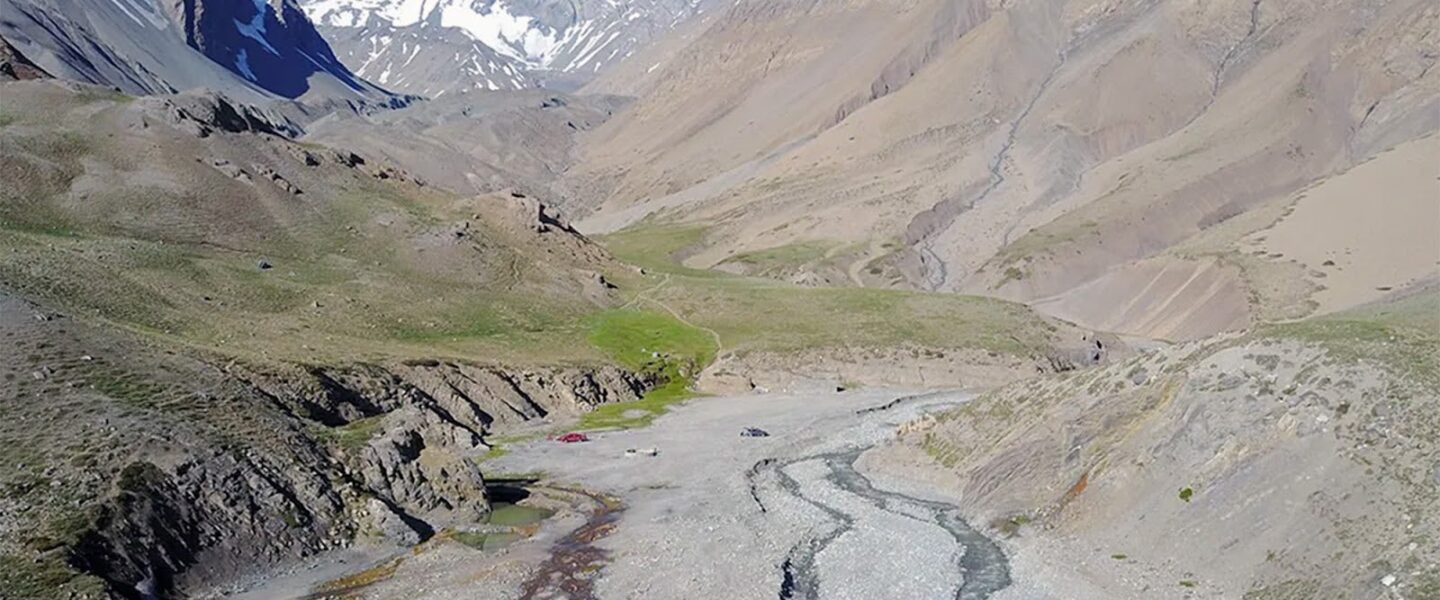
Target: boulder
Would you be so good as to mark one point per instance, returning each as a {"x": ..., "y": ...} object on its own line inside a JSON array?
[{"x": 392, "y": 525}]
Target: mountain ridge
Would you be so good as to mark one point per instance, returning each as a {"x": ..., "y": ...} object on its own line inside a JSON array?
[
  {"x": 255, "y": 52},
  {"x": 434, "y": 48}
]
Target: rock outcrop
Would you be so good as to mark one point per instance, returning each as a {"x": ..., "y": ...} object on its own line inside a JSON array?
[
  {"x": 174, "y": 477},
  {"x": 413, "y": 428},
  {"x": 15, "y": 67},
  {"x": 203, "y": 113}
]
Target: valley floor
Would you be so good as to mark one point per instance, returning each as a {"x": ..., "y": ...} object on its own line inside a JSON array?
[
  {"x": 810, "y": 511},
  {"x": 715, "y": 514}
]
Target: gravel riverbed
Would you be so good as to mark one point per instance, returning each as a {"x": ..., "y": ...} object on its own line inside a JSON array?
[{"x": 714, "y": 514}]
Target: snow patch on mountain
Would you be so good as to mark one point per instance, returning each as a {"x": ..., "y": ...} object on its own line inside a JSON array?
[
  {"x": 255, "y": 28},
  {"x": 428, "y": 46},
  {"x": 516, "y": 36},
  {"x": 242, "y": 64}
]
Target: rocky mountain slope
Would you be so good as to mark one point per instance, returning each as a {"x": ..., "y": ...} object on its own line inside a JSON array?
[
  {"x": 14, "y": 66},
  {"x": 1296, "y": 461},
  {"x": 252, "y": 51},
  {"x": 475, "y": 141},
  {"x": 1054, "y": 153},
  {"x": 234, "y": 351},
  {"x": 434, "y": 48},
  {"x": 189, "y": 215},
  {"x": 131, "y": 470}
]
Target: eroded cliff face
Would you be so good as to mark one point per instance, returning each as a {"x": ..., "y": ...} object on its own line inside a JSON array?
[
  {"x": 133, "y": 471},
  {"x": 409, "y": 432}
]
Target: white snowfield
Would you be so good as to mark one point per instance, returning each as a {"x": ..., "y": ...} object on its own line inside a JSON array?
[{"x": 497, "y": 44}]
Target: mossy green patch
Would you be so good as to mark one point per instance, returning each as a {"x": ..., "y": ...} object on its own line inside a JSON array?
[
  {"x": 658, "y": 248},
  {"x": 44, "y": 578},
  {"x": 495, "y": 451},
  {"x": 354, "y": 435},
  {"x": 1011, "y": 526},
  {"x": 639, "y": 413},
  {"x": 651, "y": 342},
  {"x": 641, "y": 339}
]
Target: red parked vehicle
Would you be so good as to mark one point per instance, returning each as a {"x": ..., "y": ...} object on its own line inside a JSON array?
[{"x": 572, "y": 437}]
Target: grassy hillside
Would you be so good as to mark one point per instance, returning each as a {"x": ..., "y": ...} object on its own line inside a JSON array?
[
  {"x": 755, "y": 314},
  {"x": 151, "y": 228},
  {"x": 257, "y": 247},
  {"x": 647, "y": 341},
  {"x": 1402, "y": 336}
]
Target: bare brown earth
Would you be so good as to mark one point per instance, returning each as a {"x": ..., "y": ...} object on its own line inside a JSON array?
[
  {"x": 1370, "y": 230},
  {"x": 1061, "y": 154}
]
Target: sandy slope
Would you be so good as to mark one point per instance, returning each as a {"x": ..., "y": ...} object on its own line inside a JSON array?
[{"x": 1367, "y": 231}]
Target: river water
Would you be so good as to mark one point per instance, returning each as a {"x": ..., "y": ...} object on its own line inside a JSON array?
[{"x": 877, "y": 541}]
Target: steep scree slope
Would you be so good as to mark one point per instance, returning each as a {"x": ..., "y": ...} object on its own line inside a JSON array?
[{"x": 1019, "y": 150}]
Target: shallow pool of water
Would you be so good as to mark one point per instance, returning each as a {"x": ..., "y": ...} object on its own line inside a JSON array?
[
  {"x": 486, "y": 542},
  {"x": 511, "y": 515}
]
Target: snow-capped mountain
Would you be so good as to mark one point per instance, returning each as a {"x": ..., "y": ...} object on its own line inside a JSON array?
[
  {"x": 429, "y": 47},
  {"x": 248, "y": 48}
]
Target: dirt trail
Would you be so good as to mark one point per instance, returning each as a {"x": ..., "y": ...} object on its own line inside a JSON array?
[{"x": 644, "y": 296}]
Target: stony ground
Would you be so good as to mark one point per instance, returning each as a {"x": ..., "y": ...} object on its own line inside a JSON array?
[
  {"x": 714, "y": 514},
  {"x": 706, "y": 517}
]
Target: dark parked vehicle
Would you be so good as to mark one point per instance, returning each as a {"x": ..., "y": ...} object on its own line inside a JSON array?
[{"x": 754, "y": 432}]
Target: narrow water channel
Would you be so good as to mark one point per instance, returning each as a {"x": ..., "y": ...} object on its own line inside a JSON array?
[{"x": 982, "y": 566}]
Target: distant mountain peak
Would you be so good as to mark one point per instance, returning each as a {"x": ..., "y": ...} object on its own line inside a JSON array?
[
  {"x": 249, "y": 48},
  {"x": 434, "y": 46}
]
